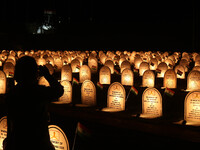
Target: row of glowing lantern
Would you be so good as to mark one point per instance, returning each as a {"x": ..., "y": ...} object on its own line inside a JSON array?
[
  {"x": 116, "y": 99},
  {"x": 149, "y": 60},
  {"x": 127, "y": 78},
  {"x": 116, "y": 93},
  {"x": 127, "y": 75},
  {"x": 65, "y": 57}
]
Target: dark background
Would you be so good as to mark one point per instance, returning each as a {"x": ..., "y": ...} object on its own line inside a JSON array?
[{"x": 100, "y": 24}]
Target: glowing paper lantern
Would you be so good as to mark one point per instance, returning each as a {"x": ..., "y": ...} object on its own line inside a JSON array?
[
  {"x": 170, "y": 79},
  {"x": 43, "y": 81},
  {"x": 186, "y": 56},
  {"x": 192, "y": 108},
  {"x": 131, "y": 59},
  {"x": 162, "y": 67},
  {"x": 116, "y": 59},
  {"x": 41, "y": 61},
  {"x": 75, "y": 65},
  {"x": 50, "y": 60},
  {"x": 69, "y": 59},
  {"x": 84, "y": 74},
  {"x": 145, "y": 58},
  {"x": 153, "y": 64},
  {"x": 169, "y": 63},
  {"x": 12, "y": 61},
  {"x": 110, "y": 64},
  {"x": 127, "y": 77},
  {"x": 148, "y": 79},
  {"x": 121, "y": 60},
  {"x": 88, "y": 93},
  {"x": 196, "y": 56},
  {"x": 3, "y": 130},
  {"x": 151, "y": 103},
  {"x": 180, "y": 71},
  {"x": 137, "y": 62},
  {"x": 83, "y": 55},
  {"x": 172, "y": 58},
  {"x": 196, "y": 68},
  {"x": 143, "y": 67},
  {"x": 12, "y": 52},
  {"x": 2, "y": 82},
  {"x": 103, "y": 58},
  {"x": 159, "y": 59},
  {"x": 93, "y": 64},
  {"x": 66, "y": 73},
  {"x": 108, "y": 58},
  {"x": 12, "y": 57},
  {"x": 64, "y": 60},
  {"x": 67, "y": 96},
  {"x": 184, "y": 63},
  {"x": 80, "y": 60},
  {"x": 197, "y": 63},
  {"x": 105, "y": 75},
  {"x": 125, "y": 65},
  {"x": 116, "y": 96},
  {"x": 193, "y": 80},
  {"x": 58, "y": 138},
  {"x": 9, "y": 68},
  {"x": 58, "y": 63}
]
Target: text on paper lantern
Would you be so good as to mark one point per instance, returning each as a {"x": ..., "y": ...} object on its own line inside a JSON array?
[
  {"x": 193, "y": 80},
  {"x": 3, "y": 130},
  {"x": 192, "y": 108},
  {"x": 151, "y": 103},
  {"x": 88, "y": 93},
  {"x": 116, "y": 96},
  {"x": 67, "y": 95},
  {"x": 66, "y": 73},
  {"x": 58, "y": 138}
]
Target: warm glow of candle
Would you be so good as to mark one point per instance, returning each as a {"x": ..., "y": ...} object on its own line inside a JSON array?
[
  {"x": 105, "y": 75},
  {"x": 150, "y": 83},
  {"x": 193, "y": 80},
  {"x": 192, "y": 108},
  {"x": 151, "y": 103}
]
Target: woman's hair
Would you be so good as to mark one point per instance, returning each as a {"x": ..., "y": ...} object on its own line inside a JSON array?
[{"x": 26, "y": 70}]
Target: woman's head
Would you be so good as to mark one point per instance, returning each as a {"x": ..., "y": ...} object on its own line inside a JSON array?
[{"x": 26, "y": 70}]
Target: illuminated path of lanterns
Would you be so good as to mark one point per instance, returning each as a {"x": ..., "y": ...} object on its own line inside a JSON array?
[{"x": 151, "y": 92}]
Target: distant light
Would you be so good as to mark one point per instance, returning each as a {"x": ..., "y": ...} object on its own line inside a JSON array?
[
  {"x": 39, "y": 31},
  {"x": 46, "y": 27}
]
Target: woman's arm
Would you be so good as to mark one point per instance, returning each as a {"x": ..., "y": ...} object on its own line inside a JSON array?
[{"x": 56, "y": 89}]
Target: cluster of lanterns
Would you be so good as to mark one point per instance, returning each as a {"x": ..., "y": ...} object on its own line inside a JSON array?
[{"x": 99, "y": 68}]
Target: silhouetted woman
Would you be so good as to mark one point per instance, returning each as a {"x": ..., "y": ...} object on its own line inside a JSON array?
[{"x": 27, "y": 107}]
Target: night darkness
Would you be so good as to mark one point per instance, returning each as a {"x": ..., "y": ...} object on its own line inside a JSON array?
[
  {"x": 55, "y": 31},
  {"x": 95, "y": 24}
]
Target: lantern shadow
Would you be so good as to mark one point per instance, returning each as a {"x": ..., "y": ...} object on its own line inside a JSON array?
[
  {"x": 181, "y": 84},
  {"x": 134, "y": 102},
  {"x": 173, "y": 106},
  {"x": 76, "y": 93},
  {"x": 102, "y": 96}
]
